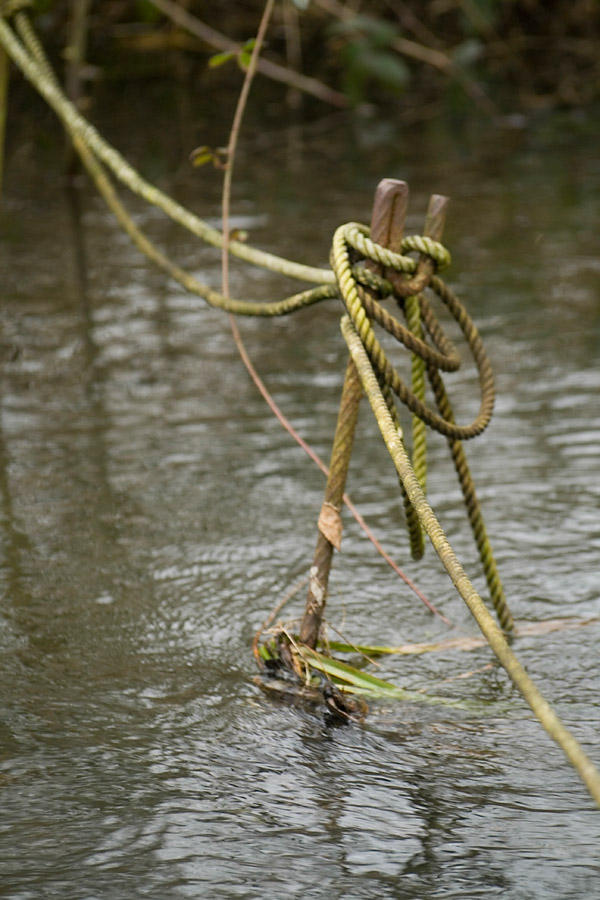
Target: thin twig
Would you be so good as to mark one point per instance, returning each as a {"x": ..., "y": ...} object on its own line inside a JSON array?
[
  {"x": 226, "y": 203},
  {"x": 273, "y": 615},
  {"x": 233, "y": 141},
  {"x": 319, "y": 462}
]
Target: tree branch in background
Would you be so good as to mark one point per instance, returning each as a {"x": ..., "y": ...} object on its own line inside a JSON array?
[
  {"x": 272, "y": 70},
  {"x": 431, "y": 56}
]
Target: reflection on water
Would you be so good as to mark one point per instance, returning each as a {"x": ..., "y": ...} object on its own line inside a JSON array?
[{"x": 152, "y": 512}]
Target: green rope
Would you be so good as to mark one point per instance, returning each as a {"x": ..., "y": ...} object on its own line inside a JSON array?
[
  {"x": 354, "y": 236},
  {"x": 540, "y": 707},
  {"x": 412, "y": 311},
  {"x": 442, "y": 355},
  {"x": 362, "y": 309},
  {"x": 142, "y": 242},
  {"x": 473, "y": 508},
  {"x": 361, "y": 291},
  {"x": 77, "y": 124}
]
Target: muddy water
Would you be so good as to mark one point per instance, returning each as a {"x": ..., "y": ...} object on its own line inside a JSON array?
[{"x": 153, "y": 512}]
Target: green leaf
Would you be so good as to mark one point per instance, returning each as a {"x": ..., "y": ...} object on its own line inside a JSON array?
[
  {"x": 220, "y": 158},
  {"x": 201, "y": 155},
  {"x": 355, "y": 681},
  {"x": 348, "y": 675},
  {"x": 219, "y": 59},
  {"x": 265, "y": 652},
  {"x": 366, "y": 649},
  {"x": 245, "y": 54},
  {"x": 147, "y": 12}
]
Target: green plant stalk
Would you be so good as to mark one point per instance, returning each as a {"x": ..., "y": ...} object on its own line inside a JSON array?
[
  {"x": 540, "y": 707},
  {"x": 466, "y": 643}
]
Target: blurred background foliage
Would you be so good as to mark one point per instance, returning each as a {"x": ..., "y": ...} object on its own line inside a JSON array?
[{"x": 503, "y": 56}]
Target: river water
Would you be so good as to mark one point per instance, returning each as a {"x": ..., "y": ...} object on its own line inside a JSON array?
[{"x": 153, "y": 512}]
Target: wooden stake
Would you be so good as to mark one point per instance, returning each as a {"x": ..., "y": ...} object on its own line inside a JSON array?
[{"x": 387, "y": 223}]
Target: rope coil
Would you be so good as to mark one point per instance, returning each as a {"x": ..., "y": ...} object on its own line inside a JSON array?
[
  {"x": 357, "y": 236},
  {"x": 363, "y": 309}
]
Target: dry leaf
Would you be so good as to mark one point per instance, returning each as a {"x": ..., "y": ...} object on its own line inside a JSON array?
[{"x": 330, "y": 525}]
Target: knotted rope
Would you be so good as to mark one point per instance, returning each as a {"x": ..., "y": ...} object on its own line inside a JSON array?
[
  {"x": 361, "y": 292},
  {"x": 494, "y": 636},
  {"x": 364, "y": 308}
]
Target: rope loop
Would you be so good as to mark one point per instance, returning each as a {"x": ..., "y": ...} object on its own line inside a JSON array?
[
  {"x": 357, "y": 287},
  {"x": 438, "y": 254},
  {"x": 357, "y": 236}
]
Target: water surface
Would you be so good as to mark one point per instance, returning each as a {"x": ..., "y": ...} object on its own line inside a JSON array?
[{"x": 153, "y": 512}]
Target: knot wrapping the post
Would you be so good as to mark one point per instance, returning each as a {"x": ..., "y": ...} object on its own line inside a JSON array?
[
  {"x": 357, "y": 236},
  {"x": 363, "y": 308}
]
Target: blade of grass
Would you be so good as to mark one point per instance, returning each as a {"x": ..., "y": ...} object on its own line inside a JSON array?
[{"x": 355, "y": 681}]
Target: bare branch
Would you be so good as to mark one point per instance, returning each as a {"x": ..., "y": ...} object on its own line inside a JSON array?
[{"x": 272, "y": 70}]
